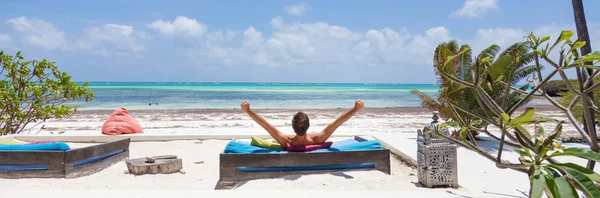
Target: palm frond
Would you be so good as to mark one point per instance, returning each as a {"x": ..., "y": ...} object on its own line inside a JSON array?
[
  {"x": 452, "y": 46},
  {"x": 427, "y": 101},
  {"x": 431, "y": 104},
  {"x": 490, "y": 51},
  {"x": 525, "y": 59},
  {"x": 464, "y": 62},
  {"x": 523, "y": 73}
]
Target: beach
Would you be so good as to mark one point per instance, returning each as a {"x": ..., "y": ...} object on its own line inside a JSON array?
[
  {"x": 234, "y": 121},
  {"x": 196, "y": 123},
  {"x": 201, "y": 157},
  {"x": 201, "y": 172}
]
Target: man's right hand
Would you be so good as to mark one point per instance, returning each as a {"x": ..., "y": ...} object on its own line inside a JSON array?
[
  {"x": 245, "y": 106},
  {"x": 358, "y": 105}
]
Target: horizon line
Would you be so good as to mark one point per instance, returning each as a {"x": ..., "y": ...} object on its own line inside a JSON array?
[{"x": 257, "y": 82}]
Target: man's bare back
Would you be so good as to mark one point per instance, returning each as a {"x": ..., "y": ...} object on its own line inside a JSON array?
[{"x": 300, "y": 124}]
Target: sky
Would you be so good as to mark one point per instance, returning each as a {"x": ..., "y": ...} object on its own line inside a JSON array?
[{"x": 350, "y": 41}]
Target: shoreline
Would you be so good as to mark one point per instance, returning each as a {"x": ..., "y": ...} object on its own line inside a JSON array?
[
  {"x": 235, "y": 121},
  {"x": 279, "y": 110}
]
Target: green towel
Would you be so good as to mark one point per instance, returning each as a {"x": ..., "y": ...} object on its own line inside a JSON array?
[
  {"x": 265, "y": 144},
  {"x": 11, "y": 142}
]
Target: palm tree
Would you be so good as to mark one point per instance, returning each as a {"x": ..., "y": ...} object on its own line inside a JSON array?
[
  {"x": 510, "y": 67},
  {"x": 583, "y": 35}
]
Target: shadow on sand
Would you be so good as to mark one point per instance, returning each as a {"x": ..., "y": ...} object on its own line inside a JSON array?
[{"x": 233, "y": 185}]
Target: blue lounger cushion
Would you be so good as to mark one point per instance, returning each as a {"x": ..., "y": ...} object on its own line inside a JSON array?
[
  {"x": 51, "y": 146},
  {"x": 345, "y": 145},
  {"x": 307, "y": 168}
]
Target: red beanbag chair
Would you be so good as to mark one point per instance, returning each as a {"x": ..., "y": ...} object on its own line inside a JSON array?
[{"x": 120, "y": 122}]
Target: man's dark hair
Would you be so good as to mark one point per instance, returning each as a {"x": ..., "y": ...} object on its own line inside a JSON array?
[{"x": 300, "y": 123}]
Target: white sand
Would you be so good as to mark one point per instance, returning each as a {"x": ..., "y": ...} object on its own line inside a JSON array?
[
  {"x": 204, "y": 176},
  {"x": 223, "y": 122},
  {"x": 383, "y": 122}
]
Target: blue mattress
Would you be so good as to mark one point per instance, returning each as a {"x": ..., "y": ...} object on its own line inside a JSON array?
[
  {"x": 345, "y": 145},
  {"x": 50, "y": 146},
  {"x": 23, "y": 167},
  {"x": 307, "y": 168}
]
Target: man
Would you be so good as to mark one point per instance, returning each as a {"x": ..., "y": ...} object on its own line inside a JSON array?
[{"x": 300, "y": 124}]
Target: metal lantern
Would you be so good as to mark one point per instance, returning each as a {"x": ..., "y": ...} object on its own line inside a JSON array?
[{"x": 436, "y": 158}]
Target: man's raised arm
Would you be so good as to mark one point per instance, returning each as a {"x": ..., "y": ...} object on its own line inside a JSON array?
[
  {"x": 274, "y": 132},
  {"x": 326, "y": 133}
]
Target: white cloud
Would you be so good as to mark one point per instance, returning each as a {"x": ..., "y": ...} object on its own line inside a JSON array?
[
  {"x": 317, "y": 45},
  {"x": 474, "y": 8},
  {"x": 505, "y": 37},
  {"x": 38, "y": 32},
  {"x": 219, "y": 37},
  {"x": 296, "y": 10},
  {"x": 323, "y": 45},
  {"x": 109, "y": 38},
  {"x": 502, "y": 37},
  {"x": 229, "y": 35},
  {"x": 180, "y": 26}
]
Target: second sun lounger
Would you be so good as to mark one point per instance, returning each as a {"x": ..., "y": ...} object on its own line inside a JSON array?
[{"x": 72, "y": 163}]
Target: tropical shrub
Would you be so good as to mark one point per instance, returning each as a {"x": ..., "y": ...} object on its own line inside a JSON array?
[
  {"x": 537, "y": 151},
  {"x": 33, "y": 91},
  {"x": 510, "y": 67}
]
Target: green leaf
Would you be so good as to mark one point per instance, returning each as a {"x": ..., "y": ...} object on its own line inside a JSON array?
[
  {"x": 522, "y": 152},
  {"x": 546, "y": 119},
  {"x": 541, "y": 131},
  {"x": 578, "y": 45},
  {"x": 586, "y": 184},
  {"x": 453, "y": 123},
  {"x": 551, "y": 172},
  {"x": 520, "y": 140},
  {"x": 579, "y": 152},
  {"x": 522, "y": 129},
  {"x": 552, "y": 187},
  {"x": 582, "y": 66},
  {"x": 506, "y": 118},
  {"x": 594, "y": 56},
  {"x": 538, "y": 182},
  {"x": 564, "y": 35},
  {"x": 463, "y": 132},
  {"x": 533, "y": 37},
  {"x": 486, "y": 59},
  {"x": 525, "y": 118},
  {"x": 544, "y": 39},
  {"x": 548, "y": 141},
  {"x": 587, "y": 172},
  {"x": 565, "y": 189},
  {"x": 539, "y": 52}
]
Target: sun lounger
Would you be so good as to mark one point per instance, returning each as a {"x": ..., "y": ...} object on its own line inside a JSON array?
[
  {"x": 60, "y": 163},
  {"x": 240, "y": 161}
]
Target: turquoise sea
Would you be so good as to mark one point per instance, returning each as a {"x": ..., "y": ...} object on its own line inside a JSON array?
[{"x": 138, "y": 95}]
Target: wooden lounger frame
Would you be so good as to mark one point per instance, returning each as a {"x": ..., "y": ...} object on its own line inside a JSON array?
[
  {"x": 228, "y": 176},
  {"x": 65, "y": 164}
]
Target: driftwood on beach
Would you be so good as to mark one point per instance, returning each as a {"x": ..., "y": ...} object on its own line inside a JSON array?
[{"x": 63, "y": 164}]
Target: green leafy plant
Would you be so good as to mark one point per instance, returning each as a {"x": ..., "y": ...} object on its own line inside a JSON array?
[
  {"x": 537, "y": 149},
  {"x": 509, "y": 66},
  {"x": 33, "y": 91},
  {"x": 546, "y": 175}
]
